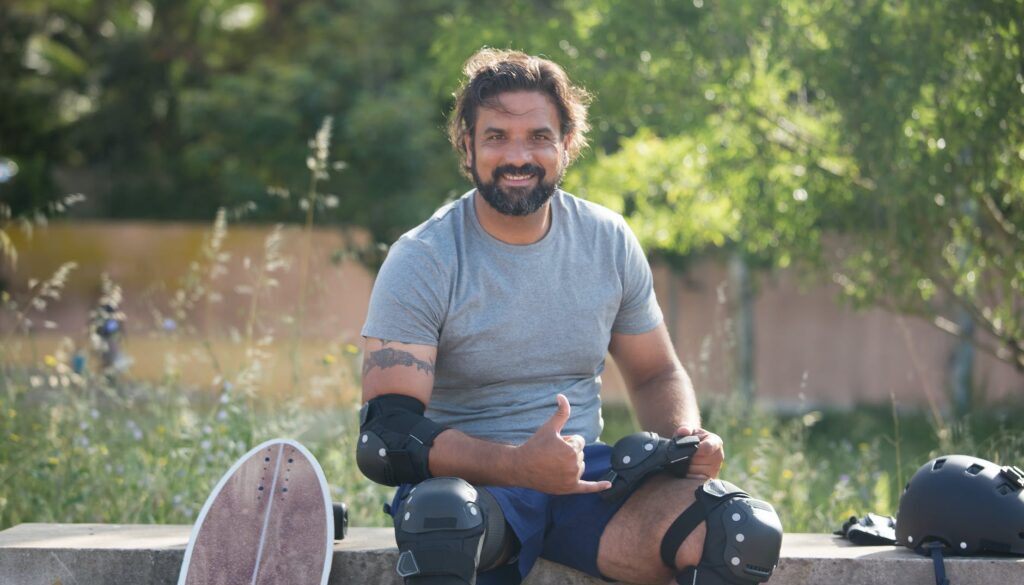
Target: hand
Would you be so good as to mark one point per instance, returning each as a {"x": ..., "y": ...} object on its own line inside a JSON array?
[
  {"x": 707, "y": 461},
  {"x": 553, "y": 463}
]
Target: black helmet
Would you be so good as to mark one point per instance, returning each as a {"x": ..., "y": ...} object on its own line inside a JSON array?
[{"x": 967, "y": 504}]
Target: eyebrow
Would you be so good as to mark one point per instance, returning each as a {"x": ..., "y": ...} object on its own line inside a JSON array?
[{"x": 541, "y": 130}]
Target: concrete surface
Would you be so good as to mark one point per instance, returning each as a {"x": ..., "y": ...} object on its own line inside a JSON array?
[{"x": 100, "y": 554}]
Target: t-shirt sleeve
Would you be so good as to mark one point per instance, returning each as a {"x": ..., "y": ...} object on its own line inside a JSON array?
[
  {"x": 639, "y": 311},
  {"x": 409, "y": 299}
]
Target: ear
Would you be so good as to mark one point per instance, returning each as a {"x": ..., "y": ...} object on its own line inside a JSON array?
[{"x": 467, "y": 141}]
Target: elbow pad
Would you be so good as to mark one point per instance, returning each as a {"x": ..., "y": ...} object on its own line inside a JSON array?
[{"x": 395, "y": 440}]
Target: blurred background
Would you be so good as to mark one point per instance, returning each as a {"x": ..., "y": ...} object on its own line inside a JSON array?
[{"x": 195, "y": 196}]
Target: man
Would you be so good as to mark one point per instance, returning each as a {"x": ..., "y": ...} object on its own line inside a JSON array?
[{"x": 485, "y": 339}]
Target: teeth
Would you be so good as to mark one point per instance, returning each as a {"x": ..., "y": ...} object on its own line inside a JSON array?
[{"x": 517, "y": 177}]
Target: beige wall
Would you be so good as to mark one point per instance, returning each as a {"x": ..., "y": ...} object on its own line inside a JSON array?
[{"x": 809, "y": 346}]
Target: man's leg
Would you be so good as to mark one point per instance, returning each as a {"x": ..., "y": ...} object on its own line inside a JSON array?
[
  {"x": 718, "y": 535},
  {"x": 630, "y": 546}
]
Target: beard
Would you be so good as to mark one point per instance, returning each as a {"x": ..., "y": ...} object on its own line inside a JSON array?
[{"x": 517, "y": 201}]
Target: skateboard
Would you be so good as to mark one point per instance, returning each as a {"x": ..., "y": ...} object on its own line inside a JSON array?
[{"x": 269, "y": 520}]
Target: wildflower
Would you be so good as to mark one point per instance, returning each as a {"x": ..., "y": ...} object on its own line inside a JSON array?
[
  {"x": 50, "y": 361},
  {"x": 748, "y": 432},
  {"x": 161, "y": 429},
  {"x": 14, "y": 437},
  {"x": 11, "y": 413},
  {"x": 787, "y": 474},
  {"x": 351, "y": 349},
  {"x": 170, "y": 324},
  {"x": 765, "y": 433},
  {"x": 844, "y": 478},
  {"x": 205, "y": 445},
  {"x": 35, "y": 381},
  {"x": 329, "y": 359},
  {"x": 222, "y": 415},
  {"x": 53, "y": 461}
]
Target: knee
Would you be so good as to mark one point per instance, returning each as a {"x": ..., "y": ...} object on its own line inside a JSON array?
[
  {"x": 726, "y": 536},
  {"x": 446, "y": 529}
]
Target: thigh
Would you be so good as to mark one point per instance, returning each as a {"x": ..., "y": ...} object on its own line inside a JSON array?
[{"x": 631, "y": 543}]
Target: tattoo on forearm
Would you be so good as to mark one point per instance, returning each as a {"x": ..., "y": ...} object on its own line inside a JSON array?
[{"x": 387, "y": 357}]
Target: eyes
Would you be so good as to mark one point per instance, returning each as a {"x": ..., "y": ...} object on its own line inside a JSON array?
[{"x": 539, "y": 138}]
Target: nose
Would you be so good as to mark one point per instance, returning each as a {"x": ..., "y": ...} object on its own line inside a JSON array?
[{"x": 518, "y": 153}]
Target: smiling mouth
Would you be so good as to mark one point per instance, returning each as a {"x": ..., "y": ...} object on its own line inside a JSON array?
[{"x": 518, "y": 178}]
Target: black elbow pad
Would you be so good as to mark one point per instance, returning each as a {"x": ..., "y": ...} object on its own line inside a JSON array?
[{"x": 395, "y": 440}]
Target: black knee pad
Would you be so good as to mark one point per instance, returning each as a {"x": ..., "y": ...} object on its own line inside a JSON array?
[
  {"x": 445, "y": 529},
  {"x": 742, "y": 542}
]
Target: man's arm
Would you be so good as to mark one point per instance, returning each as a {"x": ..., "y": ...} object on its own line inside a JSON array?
[
  {"x": 662, "y": 394},
  {"x": 547, "y": 462}
]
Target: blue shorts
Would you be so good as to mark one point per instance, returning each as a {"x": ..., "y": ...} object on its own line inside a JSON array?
[{"x": 564, "y": 529}]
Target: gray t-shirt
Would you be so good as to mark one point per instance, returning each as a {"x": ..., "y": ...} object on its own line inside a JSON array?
[{"x": 514, "y": 325}]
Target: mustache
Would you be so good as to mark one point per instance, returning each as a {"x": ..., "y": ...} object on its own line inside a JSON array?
[{"x": 527, "y": 169}]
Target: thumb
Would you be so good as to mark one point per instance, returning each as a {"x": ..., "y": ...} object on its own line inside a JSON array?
[{"x": 558, "y": 420}]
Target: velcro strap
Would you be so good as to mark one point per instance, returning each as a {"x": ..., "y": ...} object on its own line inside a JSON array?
[
  {"x": 402, "y": 465},
  {"x": 683, "y": 526},
  {"x": 425, "y": 430}
]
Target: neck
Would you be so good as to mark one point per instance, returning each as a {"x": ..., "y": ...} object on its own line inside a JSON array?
[{"x": 527, "y": 229}]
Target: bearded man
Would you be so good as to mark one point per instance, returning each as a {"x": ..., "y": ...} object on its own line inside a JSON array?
[{"x": 485, "y": 341}]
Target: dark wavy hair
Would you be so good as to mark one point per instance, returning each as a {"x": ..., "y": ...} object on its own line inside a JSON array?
[{"x": 491, "y": 72}]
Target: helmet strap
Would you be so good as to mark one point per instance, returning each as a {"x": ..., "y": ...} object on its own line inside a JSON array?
[{"x": 935, "y": 547}]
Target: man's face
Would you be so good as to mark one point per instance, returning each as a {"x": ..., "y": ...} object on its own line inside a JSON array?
[{"x": 517, "y": 153}]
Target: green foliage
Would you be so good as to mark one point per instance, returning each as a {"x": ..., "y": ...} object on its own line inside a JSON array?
[{"x": 759, "y": 127}]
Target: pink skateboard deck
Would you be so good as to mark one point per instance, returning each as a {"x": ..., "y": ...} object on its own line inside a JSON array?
[{"x": 268, "y": 521}]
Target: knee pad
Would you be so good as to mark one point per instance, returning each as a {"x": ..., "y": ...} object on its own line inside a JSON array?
[
  {"x": 638, "y": 456},
  {"x": 742, "y": 542},
  {"x": 445, "y": 529}
]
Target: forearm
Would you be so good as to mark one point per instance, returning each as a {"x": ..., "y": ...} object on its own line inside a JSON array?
[
  {"x": 480, "y": 462},
  {"x": 666, "y": 402}
]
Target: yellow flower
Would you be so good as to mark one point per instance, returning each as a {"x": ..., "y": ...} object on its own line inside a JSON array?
[
  {"x": 14, "y": 437},
  {"x": 748, "y": 432},
  {"x": 765, "y": 432},
  {"x": 50, "y": 361},
  {"x": 161, "y": 430},
  {"x": 103, "y": 450},
  {"x": 787, "y": 474},
  {"x": 161, "y": 462},
  {"x": 11, "y": 413},
  {"x": 53, "y": 461},
  {"x": 351, "y": 349},
  {"x": 329, "y": 359}
]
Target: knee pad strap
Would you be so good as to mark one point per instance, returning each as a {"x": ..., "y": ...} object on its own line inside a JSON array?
[{"x": 742, "y": 541}]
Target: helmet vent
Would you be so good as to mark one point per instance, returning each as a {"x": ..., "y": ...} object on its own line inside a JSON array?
[
  {"x": 938, "y": 464},
  {"x": 975, "y": 469}
]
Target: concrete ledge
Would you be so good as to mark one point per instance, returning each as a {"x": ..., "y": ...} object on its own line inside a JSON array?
[{"x": 95, "y": 554}]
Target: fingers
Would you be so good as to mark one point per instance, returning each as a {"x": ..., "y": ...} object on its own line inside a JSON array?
[
  {"x": 575, "y": 441},
  {"x": 591, "y": 487},
  {"x": 558, "y": 420},
  {"x": 707, "y": 461}
]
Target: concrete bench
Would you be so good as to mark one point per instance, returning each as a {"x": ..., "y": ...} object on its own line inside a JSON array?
[{"x": 94, "y": 554}]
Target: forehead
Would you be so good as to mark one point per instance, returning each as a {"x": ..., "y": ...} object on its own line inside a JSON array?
[{"x": 529, "y": 110}]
